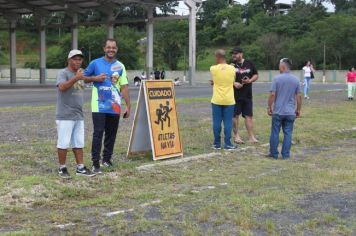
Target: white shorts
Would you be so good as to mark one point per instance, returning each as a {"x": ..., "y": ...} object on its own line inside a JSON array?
[{"x": 70, "y": 134}]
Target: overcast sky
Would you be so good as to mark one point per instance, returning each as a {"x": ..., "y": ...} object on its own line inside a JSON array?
[{"x": 182, "y": 8}]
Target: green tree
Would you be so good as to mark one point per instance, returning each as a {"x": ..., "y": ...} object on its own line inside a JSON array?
[
  {"x": 347, "y": 6},
  {"x": 338, "y": 32},
  {"x": 255, "y": 53},
  {"x": 171, "y": 40},
  {"x": 303, "y": 49},
  {"x": 226, "y": 18},
  {"x": 210, "y": 11},
  {"x": 91, "y": 41},
  {"x": 271, "y": 45},
  {"x": 169, "y": 8},
  {"x": 209, "y": 22},
  {"x": 254, "y": 7}
]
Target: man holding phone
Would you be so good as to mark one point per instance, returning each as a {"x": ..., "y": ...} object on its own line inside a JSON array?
[
  {"x": 246, "y": 74},
  {"x": 105, "y": 116}
]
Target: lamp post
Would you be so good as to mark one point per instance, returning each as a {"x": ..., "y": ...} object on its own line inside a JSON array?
[{"x": 324, "y": 64}]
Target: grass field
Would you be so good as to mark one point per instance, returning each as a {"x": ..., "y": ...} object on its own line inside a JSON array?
[{"x": 240, "y": 193}]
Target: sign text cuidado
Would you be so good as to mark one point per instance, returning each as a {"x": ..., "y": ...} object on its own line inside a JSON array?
[{"x": 162, "y": 119}]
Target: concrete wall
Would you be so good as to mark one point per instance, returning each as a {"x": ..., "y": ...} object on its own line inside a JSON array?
[{"x": 202, "y": 76}]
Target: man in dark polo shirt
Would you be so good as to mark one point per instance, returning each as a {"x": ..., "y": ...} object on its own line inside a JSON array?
[{"x": 246, "y": 74}]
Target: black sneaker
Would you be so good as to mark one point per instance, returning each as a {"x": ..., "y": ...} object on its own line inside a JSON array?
[
  {"x": 216, "y": 147},
  {"x": 63, "y": 173},
  {"x": 96, "y": 169},
  {"x": 230, "y": 148},
  {"x": 85, "y": 172},
  {"x": 107, "y": 164},
  {"x": 269, "y": 156}
]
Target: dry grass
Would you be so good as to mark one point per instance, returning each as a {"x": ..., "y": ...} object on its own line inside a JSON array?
[{"x": 237, "y": 193}]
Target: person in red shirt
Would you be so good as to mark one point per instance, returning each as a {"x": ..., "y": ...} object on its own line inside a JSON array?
[{"x": 351, "y": 83}]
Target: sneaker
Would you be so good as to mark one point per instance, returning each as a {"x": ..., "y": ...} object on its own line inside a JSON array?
[
  {"x": 96, "y": 169},
  {"x": 85, "y": 172},
  {"x": 230, "y": 148},
  {"x": 63, "y": 173},
  {"x": 108, "y": 164},
  {"x": 269, "y": 156},
  {"x": 216, "y": 147}
]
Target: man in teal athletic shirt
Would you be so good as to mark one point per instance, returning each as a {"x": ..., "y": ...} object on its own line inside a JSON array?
[{"x": 105, "y": 116}]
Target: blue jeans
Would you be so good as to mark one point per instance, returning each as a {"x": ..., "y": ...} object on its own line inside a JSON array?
[
  {"x": 222, "y": 114},
  {"x": 307, "y": 81},
  {"x": 287, "y": 123}
]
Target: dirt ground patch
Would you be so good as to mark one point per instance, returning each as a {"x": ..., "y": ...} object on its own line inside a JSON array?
[
  {"x": 240, "y": 193},
  {"x": 341, "y": 204}
]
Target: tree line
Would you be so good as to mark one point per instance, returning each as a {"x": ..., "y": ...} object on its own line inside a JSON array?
[{"x": 258, "y": 27}]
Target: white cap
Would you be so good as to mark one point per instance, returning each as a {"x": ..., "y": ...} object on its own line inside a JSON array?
[{"x": 75, "y": 52}]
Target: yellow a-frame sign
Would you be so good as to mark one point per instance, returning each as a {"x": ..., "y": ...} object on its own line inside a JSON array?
[{"x": 155, "y": 127}]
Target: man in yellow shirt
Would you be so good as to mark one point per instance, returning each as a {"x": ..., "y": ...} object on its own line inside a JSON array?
[{"x": 223, "y": 101}]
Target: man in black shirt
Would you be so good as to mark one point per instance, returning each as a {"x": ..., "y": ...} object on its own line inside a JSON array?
[
  {"x": 163, "y": 74},
  {"x": 157, "y": 74},
  {"x": 246, "y": 74}
]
